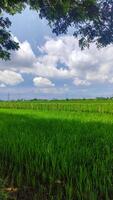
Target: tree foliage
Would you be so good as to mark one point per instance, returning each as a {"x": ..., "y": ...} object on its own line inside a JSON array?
[
  {"x": 92, "y": 20},
  {"x": 6, "y": 41}
]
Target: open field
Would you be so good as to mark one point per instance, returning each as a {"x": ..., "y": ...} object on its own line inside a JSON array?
[
  {"x": 59, "y": 150},
  {"x": 90, "y": 105}
]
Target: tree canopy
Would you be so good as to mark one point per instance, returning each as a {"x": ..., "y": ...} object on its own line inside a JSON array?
[{"x": 92, "y": 20}]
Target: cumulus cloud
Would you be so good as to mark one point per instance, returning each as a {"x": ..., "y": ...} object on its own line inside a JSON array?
[
  {"x": 42, "y": 82},
  {"x": 24, "y": 57},
  {"x": 78, "y": 82},
  {"x": 20, "y": 60},
  {"x": 61, "y": 60},
  {"x": 10, "y": 78},
  {"x": 54, "y": 90},
  {"x": 2, "y": 85}
]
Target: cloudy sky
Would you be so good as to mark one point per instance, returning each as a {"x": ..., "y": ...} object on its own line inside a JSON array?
[{"x": 47, "y": 66}]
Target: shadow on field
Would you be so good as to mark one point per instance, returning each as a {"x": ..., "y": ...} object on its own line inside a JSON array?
[{"x": 56, "y": 156}]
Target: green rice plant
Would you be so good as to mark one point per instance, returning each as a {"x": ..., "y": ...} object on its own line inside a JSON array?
[
  {"x": 95, "y": 106},
  {"x": 62, "y": 152},
  {"x": 3, "y": 195}
]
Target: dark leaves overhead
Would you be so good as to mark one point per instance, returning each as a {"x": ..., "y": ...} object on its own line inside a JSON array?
[
  {"x": 92, "y": 20},
  {"x": 100, "y": 29},
  {"x": 6, "y": 41}
]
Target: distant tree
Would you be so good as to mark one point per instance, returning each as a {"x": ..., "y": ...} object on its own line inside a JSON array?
[{"x": 92, "y": 20}]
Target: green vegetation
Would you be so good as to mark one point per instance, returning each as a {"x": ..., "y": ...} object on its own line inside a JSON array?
[
  {"x": 60, "y": 153},
  {"x": 94, "y": 105},
  {"x": 86, "y": 17},
  {"x": 3, "y": 195}
]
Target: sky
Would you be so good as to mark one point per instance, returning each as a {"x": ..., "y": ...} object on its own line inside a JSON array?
[{"x": 47, "y": 66}]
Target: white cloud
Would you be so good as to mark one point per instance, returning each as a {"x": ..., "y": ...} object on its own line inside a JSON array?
[
  {"x": 111, "y": 80},
  {"x": 22, "y": 59},
  {"x": 2, "y": 85},
  {"x": 53, "y": 61},
  {"x": 10, "y": 78},
  {"x": 50, "y": 71},
  {"x": 62, "y": 60},
  {"x": 24, "y": 56},
  {"x": 46, "y": 86},
  {"x": 42, "y": 82},
  {"x": 78, "y": 82},
  {"x": 54, "y": 90}
]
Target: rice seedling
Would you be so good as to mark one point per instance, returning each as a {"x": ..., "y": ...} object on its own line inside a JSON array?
[{"x": 60, "y": 150}]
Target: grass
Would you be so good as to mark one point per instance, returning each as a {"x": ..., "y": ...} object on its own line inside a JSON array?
[
  {"x": 3, "y": 194},
  {"x": 60, "y": 154},
  {"x": 92, "y": 106}
]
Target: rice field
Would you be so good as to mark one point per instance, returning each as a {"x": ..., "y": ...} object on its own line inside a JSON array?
[{"x": 58, "y": 150}]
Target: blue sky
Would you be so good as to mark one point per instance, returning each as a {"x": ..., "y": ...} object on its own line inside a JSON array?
[{"x": 47, "y": 66}]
